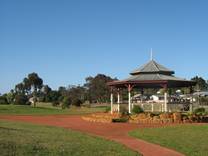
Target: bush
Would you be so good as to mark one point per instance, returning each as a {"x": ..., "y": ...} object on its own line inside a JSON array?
[
  {"x": 199, "y": 110},
  {"x": 124, "y": 111},
  {"x": 55, "y": 103},
  {"x": 66, "y": 102},
  {"x": 119, "y": 120},
  {"x": 3, "y": 100},
  {"x": 21, "y": 100},
  {"x": 76, "y": 102},
  {"x": 203, "y": 100},
  {"x": 107, "y": 109},
  {"x": 87, "y": 105},
  {"x": 137, "y": 110}
]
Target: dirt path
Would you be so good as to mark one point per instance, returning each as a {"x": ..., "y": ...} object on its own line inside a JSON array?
[{"x": 116, "y": 132}]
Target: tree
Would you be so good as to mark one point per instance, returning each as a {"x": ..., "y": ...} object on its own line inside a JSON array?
[
  {"x": 77, "y": 95},
  {"x": 19, "y": 88},
  {"x": 35, "y": 82},
  {"x": 62, "y": 90},
  {"x": 53, "y": 97},
  {"x": 66, "y": 102},
  {"x": 201, "y": 84},
  {"x": 29, "y": 87},
  {"x": 97, "y": 88},
  {"x": 46, "y": 89},
  {"x": 3, "y": 99},
  {"x": 10, "y": 97},
  {"x": 21, "y": 99}
]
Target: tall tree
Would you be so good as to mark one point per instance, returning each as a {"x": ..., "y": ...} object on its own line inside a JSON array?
[
  {"x": 19, "y": 88},
  {"x": 46, "y": 89},
  {"x": 27, "y": 85},
  {"x": 30, "y": 86},
  {"x": 201, "y": 84},
  {"x": 35, "y": 81},
  {"x": 97, "y": 88}
]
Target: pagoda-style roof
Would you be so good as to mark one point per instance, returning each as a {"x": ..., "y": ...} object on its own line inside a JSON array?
[
  {"x": 152, "y": 67},
  {"x": 153, "y": 75}
]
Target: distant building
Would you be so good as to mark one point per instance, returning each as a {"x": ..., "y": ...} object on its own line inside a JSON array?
[
  {"x": 157, "y": 98},
  {"x": 202, "y": 94}
]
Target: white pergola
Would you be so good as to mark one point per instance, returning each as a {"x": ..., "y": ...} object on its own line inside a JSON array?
[
  {"x": 130, "y": 103},
  {"x": 150, "y": 75}
]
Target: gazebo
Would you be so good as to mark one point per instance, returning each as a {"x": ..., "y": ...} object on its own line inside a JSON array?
[{"x": 150, "y": 75}]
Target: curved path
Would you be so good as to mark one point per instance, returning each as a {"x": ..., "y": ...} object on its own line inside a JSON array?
[{"x": 117, "y": 132}]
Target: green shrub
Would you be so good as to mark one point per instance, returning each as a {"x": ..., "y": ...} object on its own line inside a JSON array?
[
  {"x": 66, "y": 102},
  {"x": 107, "y": 109},
  {"x": 76, "y": 102},
  {"x": 119, "y": 120},
  {"x": 200, "y": 111},
  {"x": 21, "y": 100},
  {"x": 3, "y": 100},
  {"x": 55, "y": 103},
  {"x": 137, "y": 110},
  {"x": 87, "y": 105},
  {"x": 124, "y": 111}
]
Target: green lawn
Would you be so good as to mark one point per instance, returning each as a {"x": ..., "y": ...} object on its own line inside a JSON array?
[
  {"x": 188, "y": 139},
  {"x": 22, "y": 139},
  {"x": 45, "y": 110}
]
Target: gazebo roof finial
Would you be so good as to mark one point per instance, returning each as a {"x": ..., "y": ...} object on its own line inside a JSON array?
[{"x": 151, "y": 55}]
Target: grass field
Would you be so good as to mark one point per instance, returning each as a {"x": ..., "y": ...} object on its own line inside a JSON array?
[
  {"x": 46, "y": 109},
  {"x": 22, "y": 139},
  {"x": 188, "y": 139}
]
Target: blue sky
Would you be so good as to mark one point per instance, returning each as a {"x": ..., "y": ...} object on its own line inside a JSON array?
[{"x": 66, "y": 41}]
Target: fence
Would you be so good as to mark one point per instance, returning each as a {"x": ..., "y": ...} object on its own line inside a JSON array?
[{"x": 159, "y": 107}]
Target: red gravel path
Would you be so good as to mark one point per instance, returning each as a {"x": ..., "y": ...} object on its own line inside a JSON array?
[{"x": 117, "y": 132}]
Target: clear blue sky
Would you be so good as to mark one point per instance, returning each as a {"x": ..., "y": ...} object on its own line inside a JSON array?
[{"x": 66, "y": 41}]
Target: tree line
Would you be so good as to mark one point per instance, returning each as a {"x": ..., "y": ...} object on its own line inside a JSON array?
[
  {"x": 95, "y": 90},
  {"x": 32, "y": 89}
]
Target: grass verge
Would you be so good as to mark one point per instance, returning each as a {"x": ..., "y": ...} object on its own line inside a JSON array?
[
  {"x": 191, "y": 140},
  {"x": 21, "y": 139},
  {"x": 28, "y": 110}
]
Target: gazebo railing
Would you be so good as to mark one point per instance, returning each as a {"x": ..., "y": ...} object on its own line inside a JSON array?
[{"x": 158, "y": 107}]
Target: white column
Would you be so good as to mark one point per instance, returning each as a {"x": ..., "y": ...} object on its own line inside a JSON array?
[
  {"x": 111, "y": 103},
  {"x": 118, "y": 102},
  {"x": 191, "y": 107},
  {"x": 129, "y": 101},
  {"x": 152, "y": 107},
  {"x": 166, "y": 107}
]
